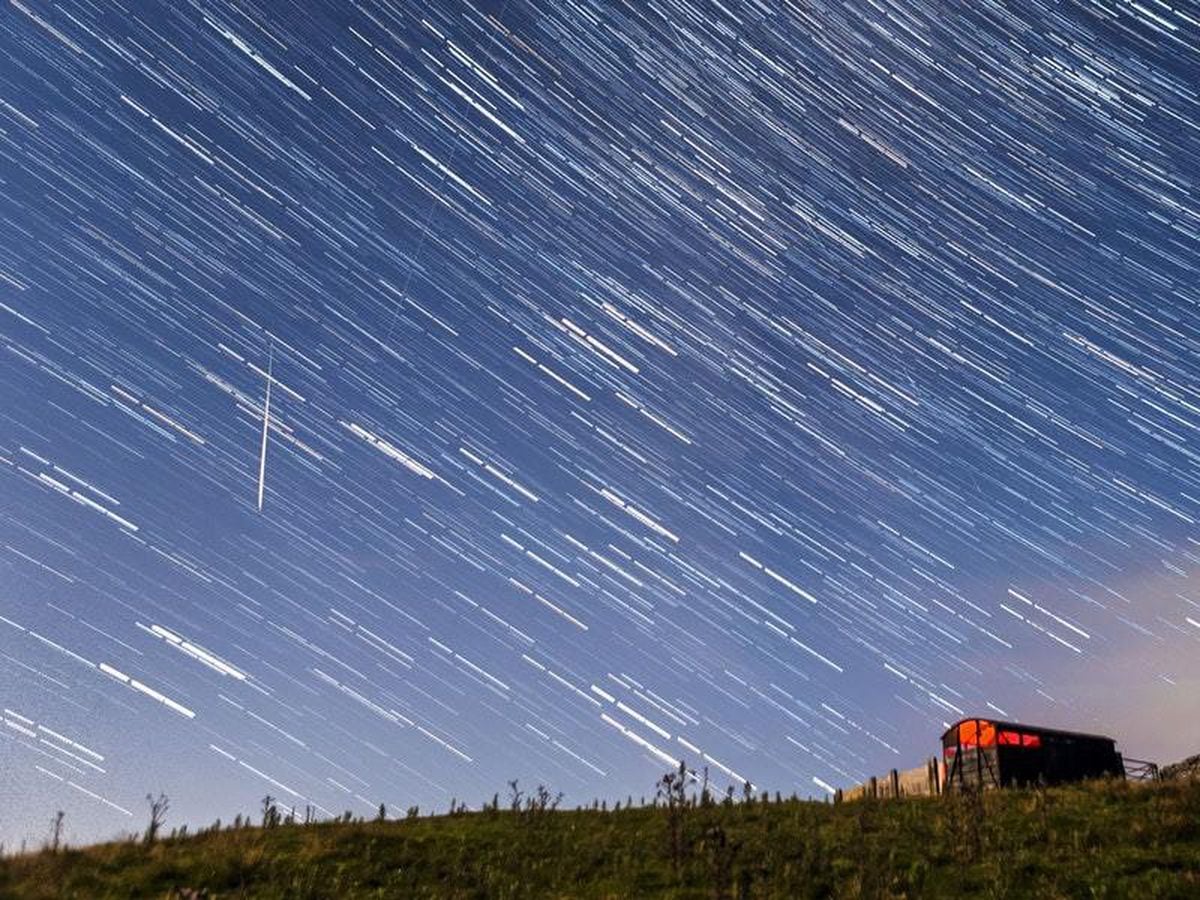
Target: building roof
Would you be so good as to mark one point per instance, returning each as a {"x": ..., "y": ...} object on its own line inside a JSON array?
[{"x": 1031, "y": 729}]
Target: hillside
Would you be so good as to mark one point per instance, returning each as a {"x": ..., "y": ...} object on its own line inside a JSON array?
[
  {"x": 1099, "y": 840},
  {"x": 1187, "y": 768}
]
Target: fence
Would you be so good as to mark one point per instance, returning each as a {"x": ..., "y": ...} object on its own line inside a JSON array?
[
  {"x": 922, "y": 781},
  {"x": 1140, "y": 769}
]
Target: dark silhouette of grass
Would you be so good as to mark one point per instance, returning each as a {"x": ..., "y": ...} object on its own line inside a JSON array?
[{"x": 1103, "y": 839}]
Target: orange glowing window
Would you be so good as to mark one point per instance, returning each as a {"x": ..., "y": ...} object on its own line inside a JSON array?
[
  {"x": 1009, "y": 739},
  {"x": 977, "y": 733},
  {"x": 968, "y": 733}
]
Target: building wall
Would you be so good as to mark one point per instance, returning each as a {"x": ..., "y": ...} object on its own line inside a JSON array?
[{"x": 976, "y": 767}]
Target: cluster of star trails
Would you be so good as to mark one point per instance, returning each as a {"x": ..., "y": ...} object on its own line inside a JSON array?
[{"x": 399, "y": 398}]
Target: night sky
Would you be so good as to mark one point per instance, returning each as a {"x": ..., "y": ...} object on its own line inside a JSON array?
[{"x": 762, "y": 384}]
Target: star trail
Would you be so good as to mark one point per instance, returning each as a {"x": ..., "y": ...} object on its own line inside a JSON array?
[{"x": 400, "y": 398}]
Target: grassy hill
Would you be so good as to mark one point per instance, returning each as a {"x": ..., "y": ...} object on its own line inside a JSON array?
[{"x": 1098, "y": 840}]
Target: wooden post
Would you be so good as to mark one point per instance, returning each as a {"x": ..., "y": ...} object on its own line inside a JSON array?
[
  {"x": 894, "y": 777},
  {"x": 873, "y": 788}
]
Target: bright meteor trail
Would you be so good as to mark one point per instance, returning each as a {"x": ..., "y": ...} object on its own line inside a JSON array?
[{"x": 262, "y": 458}]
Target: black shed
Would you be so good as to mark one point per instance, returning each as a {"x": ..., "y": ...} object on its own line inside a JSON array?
[{"x": 1007, "y": 754}]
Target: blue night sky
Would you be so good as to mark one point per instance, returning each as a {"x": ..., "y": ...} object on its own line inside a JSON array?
[{"x": 763, "y": 384}]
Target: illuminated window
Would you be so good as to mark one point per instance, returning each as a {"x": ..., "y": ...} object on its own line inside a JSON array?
[{"x": 977, "y": 733}]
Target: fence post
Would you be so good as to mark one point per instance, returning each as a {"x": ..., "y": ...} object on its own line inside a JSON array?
[{"x": 894, "y": 776}]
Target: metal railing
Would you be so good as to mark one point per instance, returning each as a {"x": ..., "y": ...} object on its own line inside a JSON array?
[{"x": 1140, "y": 769}]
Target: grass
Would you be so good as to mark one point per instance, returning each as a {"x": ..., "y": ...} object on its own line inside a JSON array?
[{"x": 1099, "y": 840}]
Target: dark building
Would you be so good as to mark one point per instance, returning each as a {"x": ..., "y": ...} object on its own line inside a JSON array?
[{"x": 1006, "y": 754}]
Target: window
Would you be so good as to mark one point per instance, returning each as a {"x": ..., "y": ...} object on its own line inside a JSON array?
[
  {"x": 976, "y": 733},
  {"x": 1018, "y": 739}
]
